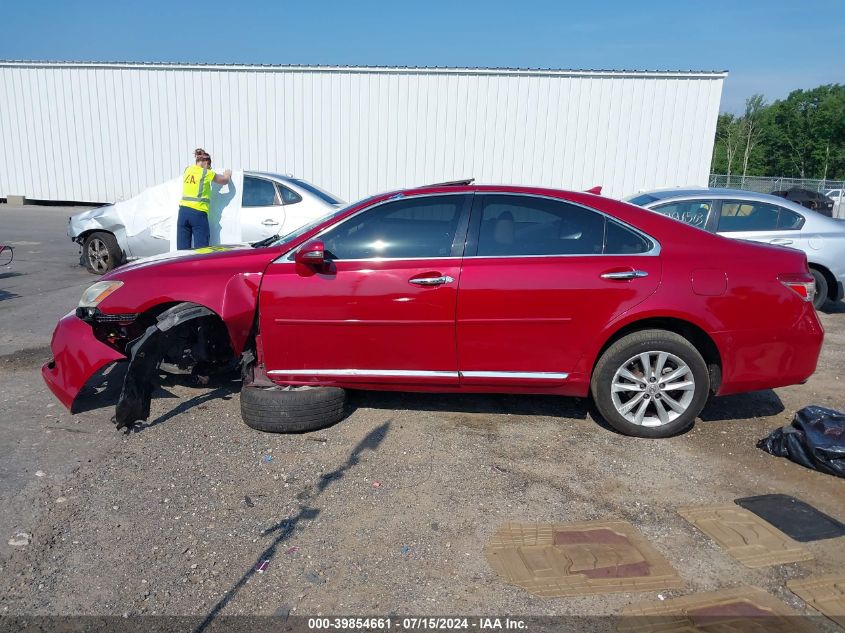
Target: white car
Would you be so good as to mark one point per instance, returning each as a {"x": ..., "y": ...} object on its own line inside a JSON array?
[
  {"x": 760, "y": 217},
  {"x": 252, "y": 207}
]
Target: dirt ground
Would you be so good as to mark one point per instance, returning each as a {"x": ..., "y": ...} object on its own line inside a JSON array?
[{"x": 386, "y": 512}]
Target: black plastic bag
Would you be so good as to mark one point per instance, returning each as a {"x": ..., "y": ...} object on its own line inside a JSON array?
[{"x": 815, "y": 439}]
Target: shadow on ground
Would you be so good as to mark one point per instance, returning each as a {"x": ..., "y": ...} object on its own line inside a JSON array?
[
  {"x": 756, "y": 404},
  {"x": 283, "y": 530}
]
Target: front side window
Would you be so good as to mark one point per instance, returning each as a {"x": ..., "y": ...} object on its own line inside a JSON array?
[
  {"x": 694, "y": 212},
  {"x": 752, "y": 216},
  {"x": 258, "y": 192},
  {"x": 407, "y": 228}
]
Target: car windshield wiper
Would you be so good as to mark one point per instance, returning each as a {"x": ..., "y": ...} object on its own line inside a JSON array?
[{"x": 266, "y": 241}]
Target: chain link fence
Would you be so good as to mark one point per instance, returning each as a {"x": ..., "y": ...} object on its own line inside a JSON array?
[{"x": 768, "y": 184}]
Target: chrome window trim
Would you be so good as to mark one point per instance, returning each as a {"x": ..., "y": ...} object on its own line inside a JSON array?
[
  {"x": 409, "y": 373},
  {"x": 654, "y": 250},
  {"x": 400, "y": 196}
]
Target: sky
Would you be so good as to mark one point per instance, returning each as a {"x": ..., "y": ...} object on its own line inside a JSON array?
[{"x": 768, "y": 47}]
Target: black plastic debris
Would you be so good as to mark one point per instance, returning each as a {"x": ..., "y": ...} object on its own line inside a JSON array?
[
  {"x": 815, "y": 439},
  {"x": 793, "y": 517}
]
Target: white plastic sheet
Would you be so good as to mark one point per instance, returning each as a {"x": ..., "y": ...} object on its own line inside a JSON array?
[{"x": 157, "y": 209}]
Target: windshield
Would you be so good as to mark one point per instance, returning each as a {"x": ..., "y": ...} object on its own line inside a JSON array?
[{"x": 325, "y": 196}]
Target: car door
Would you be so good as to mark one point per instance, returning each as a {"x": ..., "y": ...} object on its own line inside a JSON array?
[
  {"x": 760, "y": 222},
  {"x": 540, "y": 277},
  {"x": 382, "y": 310},
  {"x": 262, "y": 212}
]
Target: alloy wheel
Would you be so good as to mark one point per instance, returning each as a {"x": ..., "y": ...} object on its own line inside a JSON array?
[{"x": 652, "y": 388}]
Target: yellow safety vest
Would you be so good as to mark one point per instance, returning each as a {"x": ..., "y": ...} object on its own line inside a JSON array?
[{"x": 196, "y": 188}]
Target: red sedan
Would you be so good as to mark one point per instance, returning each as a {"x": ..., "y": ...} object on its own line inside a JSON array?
[{"x": 459, "y": 288}]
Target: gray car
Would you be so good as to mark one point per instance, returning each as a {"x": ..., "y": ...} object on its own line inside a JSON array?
[{"x": 762, "y": 218}]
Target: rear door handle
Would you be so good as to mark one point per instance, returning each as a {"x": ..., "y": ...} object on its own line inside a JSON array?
[
  {"x": 781, "y": 241},
  {"x": 624, "y": 275},
  {"x": 431, "y": 281},
  {"x": 269, "y": 222}
]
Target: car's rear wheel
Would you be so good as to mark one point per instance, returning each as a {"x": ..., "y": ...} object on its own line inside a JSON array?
[
  {"x": 821, "y": 288},
  {"x": 101, "y": 253},
  {"x": 292, "y": 409},
  {"x": 651, "y": 383}
]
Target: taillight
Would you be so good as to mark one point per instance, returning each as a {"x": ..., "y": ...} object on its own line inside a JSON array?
[{"x": 801, "y": 284}]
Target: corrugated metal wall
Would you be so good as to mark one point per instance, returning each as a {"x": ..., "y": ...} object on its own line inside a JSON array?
[{"x": 104, "y": 132}]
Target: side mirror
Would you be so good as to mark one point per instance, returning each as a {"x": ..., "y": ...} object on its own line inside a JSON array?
[{"x": 312, "y": 253}]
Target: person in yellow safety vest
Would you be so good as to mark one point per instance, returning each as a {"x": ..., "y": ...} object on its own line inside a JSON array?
[{"x": 196, "y": 199}]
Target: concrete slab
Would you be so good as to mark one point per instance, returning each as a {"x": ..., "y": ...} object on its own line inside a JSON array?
[
  {"x": 745, "y": 536},
  {"x": 824, "y": 593},
  {"x": 576, "y": 559},
  {"x": 738, "y": 610}
]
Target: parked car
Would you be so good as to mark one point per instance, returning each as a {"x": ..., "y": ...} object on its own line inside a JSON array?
[
  {"x": 459, "y": 289},
  {"x": 808, "y": 198},
  {"x": 252, "y": 207},
  {"x": 763, "y": 218},
  {"x": 834, "y": 194}
]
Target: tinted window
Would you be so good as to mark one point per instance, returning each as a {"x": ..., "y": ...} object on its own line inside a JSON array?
[
  {"x": 288, "y": 196},
  {"x": 789, "y": 220},
  {"x": 642, "y": 199},
  {"x": 620, "y": 240},
  {"x": 748, "y": 216},
  {"x": 422, "y": 227},
  {"x": 693, "y": 212},
  {"x": 322, "y": 195},
  {"x": 521, "y": 225},
  {"x": 258, "y": 192}
]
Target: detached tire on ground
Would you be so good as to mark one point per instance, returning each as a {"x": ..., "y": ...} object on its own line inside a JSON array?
[
  {"x": 651, "y": 383},
  {"x": 293, "y": 410},
  {"x": 821, "y": 288},
  {"x": 101, "y": 253}
]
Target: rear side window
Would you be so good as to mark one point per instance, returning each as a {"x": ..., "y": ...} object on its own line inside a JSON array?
[
  {"x": 693, "y": 212},
  {"x": 288, "y": 196},
  {"x": 521, "y": 225},
  {"x": 525, "y": 226},
  {"x": 258, "y": 192},
  {"x": 620, "y": 240},
  {"x": 740, "y": 216},
  {"x": 789, "y": 220},
  {"x": 325, "y": 196},
  {"x": 410, "y": 228}
]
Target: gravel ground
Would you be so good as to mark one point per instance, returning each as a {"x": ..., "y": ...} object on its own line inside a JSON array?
[{"x": 388, "y": 511}]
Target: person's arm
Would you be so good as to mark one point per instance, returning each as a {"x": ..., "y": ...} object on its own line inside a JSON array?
[{"x": 224, "y": 178}]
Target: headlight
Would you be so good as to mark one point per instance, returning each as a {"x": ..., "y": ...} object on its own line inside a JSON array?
[{"x": 92, "y": 297}]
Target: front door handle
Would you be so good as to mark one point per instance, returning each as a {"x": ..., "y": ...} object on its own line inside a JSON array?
[
  {"x": 624, "y": 275},
  {"x": 269, "y": 222},
  {"x": 782, "y": 241},
  {"x": 432, "y": 281}
]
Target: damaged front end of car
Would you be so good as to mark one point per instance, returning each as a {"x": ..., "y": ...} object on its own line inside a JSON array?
[{"x": 184, "y": 338}]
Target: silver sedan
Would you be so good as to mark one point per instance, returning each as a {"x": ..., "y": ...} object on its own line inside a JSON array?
[
  {"x": 252, "y": 207},
  {"x": 762, "y": 218}
]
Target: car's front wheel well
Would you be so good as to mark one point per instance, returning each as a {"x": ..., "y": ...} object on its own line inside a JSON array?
[
  {"x": 694, "y": 334},
  {"x": 831, "y": 280}
]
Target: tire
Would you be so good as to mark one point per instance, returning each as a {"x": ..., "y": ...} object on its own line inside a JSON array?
[
  {"x": 821, "y": 288},
  {"x": 279, "y": 410},
  {"x": 101, "y": 253},
  {"x": 625, "y": 354}
]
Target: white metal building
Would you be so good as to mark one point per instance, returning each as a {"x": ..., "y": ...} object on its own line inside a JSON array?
[{"x": 105, "y": 131}]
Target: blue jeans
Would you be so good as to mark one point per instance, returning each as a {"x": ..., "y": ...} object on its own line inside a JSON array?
[{"x": 191, "y": 223}]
